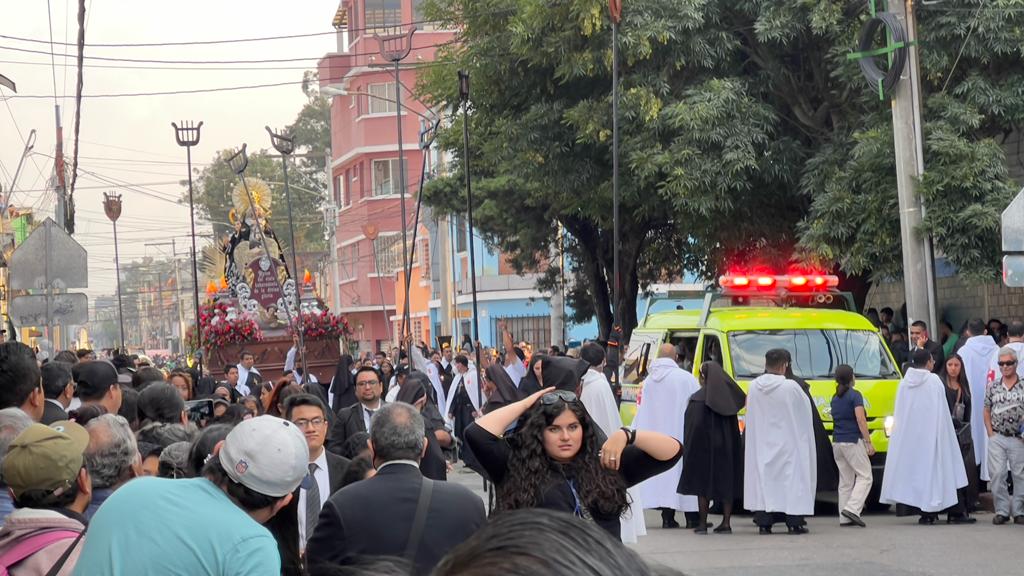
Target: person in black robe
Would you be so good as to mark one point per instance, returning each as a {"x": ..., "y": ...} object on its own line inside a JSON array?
[
  {"x": 563, "y": 373},
  {"x": 712, "y": 446},
  {"x": 828, "y": 471},
  {"x": 343, "y": 384},
  {"x": 499, "y": 389},
  {"x": 530, "y": 383},
  {"x": 418, "y": 391}
]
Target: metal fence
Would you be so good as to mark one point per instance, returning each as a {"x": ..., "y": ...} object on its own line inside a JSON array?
[{"x": 535, "y": 330}]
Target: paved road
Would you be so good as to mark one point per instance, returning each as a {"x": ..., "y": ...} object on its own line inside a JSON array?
[{"x": 889, "y": 546}]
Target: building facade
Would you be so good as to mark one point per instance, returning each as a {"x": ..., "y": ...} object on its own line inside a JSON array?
[{"x": 366, "y": 175}]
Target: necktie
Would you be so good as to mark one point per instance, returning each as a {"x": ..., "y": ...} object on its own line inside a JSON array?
[
  {"x": 369, "y": 418},
  {"x": 312, "y": 502}
]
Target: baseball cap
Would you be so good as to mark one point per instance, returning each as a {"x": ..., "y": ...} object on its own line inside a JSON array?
[
  {"x": 46, "y": 458},
  {"x": 266, "y": 454},
  {"x": 94, "y": 378}
]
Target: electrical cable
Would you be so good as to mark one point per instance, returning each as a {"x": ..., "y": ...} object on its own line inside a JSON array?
[
  {"x": 70, "y": 211},
  {"x": 202, "y": 62},
  {"x": 888, "y": 80}
]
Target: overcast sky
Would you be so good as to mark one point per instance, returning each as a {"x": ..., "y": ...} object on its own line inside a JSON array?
[{"x": 130, "y": 139}]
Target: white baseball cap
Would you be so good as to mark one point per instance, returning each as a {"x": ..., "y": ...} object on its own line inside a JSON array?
[{"x": 266, "y": 454}]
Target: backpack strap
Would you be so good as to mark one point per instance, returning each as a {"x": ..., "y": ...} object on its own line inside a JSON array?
[
  {"x": 32, "y": 544},
  {"x": 55, "y": 569}
]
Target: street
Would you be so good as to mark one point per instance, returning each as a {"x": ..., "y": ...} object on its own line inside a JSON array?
[{"x": 889, "y": 546}]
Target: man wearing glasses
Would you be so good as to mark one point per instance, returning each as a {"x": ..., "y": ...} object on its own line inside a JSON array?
[
  {"x": 356, "y": 418},
  {"x": 1004, "y": 415},
  {"x": 326, "y": 470}
]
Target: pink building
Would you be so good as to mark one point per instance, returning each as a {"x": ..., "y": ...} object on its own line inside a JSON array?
[{"x": 364, "y": 151}]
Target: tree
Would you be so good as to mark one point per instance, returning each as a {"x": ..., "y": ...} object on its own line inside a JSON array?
[
  {"x": 307, "y": 180},
  {"x": 748, "y": 137}
]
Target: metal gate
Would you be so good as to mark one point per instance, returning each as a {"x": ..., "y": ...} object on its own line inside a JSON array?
[{"x": 534, "y": 330}]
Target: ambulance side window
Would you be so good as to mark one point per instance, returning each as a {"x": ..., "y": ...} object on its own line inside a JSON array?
[{"x": 712, "y": 351}]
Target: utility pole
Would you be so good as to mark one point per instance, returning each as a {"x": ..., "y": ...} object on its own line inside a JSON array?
[
  {"x": 918, "y": 265},
  {"x": 331, "y": 218}
]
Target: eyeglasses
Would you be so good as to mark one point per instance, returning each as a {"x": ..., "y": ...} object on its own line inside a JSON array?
[
  {"x": 1009, "y": 363},
  {"x": 305, "y": 423},
  {"x": 558, "y": 396},
  {"x": 368, "y": 383}
]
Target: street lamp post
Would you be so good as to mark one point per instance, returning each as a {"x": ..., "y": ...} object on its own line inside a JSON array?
[
  {"x": 112, "y": 207},
  {"x": 188, "y": 136},
  {"x": 464, "y": 99},
  {"x": 286, "y": 145},
  {"x": 394, "y": 48}
]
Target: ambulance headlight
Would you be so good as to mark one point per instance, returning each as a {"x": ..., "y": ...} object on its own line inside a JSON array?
[{"x": 888, "y": 424}]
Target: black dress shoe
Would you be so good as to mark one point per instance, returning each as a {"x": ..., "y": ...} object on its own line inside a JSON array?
[
  {"x": 1000, "y": 520},
  {"x": 723, "y": 530},
  {"x": 691, "y": 525},
  {"x": 926, "y": 520},
  {"x": 701, "y": 530},
  {"x": 1018, "y": 519},
  {"x": 669, "y": 523},
  {"x": 969, "y": 520},
  {"x": 797, "y": 530},
  {"x": 764, "y": 530}
]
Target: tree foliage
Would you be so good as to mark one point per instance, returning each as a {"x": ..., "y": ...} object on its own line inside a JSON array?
[{"x": 748, "y": 138}]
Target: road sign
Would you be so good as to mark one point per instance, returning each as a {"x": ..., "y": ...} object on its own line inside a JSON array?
[
  {"x": 1013, "y": 242},
  {"x": 70, "y": 309},
  {"x": 49, "y": 259}
]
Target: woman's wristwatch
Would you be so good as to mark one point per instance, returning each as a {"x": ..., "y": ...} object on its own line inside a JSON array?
[{"x": 630, "y": 435}]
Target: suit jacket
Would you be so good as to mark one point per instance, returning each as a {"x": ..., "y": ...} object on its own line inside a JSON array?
[
  {"x": 374, "y": 517},
  {"x": 349, "y": 421},
  {"x": 52, "y": 413},
  {"x": 336, "y": 467}
]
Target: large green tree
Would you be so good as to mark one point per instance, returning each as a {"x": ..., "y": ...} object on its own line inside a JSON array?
[
  {"x": 747, "y": 136},
  {"x": 307, "y": 177}
]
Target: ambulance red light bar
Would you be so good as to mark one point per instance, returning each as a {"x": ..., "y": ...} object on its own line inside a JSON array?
[{"x": 796, "y": 282}]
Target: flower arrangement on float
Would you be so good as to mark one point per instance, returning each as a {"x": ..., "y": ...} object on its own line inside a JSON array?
[
  {"x": 222, "y": 325},
  {"x": 323, "y": 325}
]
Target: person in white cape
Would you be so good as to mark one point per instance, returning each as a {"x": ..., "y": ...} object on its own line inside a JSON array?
[
  {"x": 666, "y": 393},
  {"x": 924, "y": 468},
  {"x": 596, "y": 395},
  {"x": 977, "y": 354},
  {"x": 780, "y": 459}
]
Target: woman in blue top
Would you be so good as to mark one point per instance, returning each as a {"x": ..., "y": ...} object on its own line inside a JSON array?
[{"x": 850, "y": 428}]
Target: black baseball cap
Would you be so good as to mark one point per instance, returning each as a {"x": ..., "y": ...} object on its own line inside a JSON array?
[{"x": 94, "y": 378}]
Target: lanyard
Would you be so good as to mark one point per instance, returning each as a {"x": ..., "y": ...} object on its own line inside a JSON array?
[{"x": 578, "y": 511}]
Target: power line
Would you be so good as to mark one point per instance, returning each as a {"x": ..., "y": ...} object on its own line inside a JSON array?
[
  {"x": 225, "y": 41},
  {"x": 202, "y": 62}
]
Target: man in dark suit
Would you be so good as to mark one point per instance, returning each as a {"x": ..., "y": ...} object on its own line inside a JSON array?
[
  {"x": 356, "y": 418},
  {"x": 59, "y": 389},
  {"x": 397, "y": 512},
  {"x": 326, "y": 470},
  {"x": 920, "y": 339}
]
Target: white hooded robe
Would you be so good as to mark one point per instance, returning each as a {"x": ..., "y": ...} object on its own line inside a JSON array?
[
  {"x": 666, "y": 393},
  {"x": 597, "y": 398},
  {"x": 924, "y": 466},
  {"x": 780, "y": 460},
  {"x": 977, "y": 352}
]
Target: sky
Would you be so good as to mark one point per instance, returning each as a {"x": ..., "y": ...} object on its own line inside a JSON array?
[{"x": 130, "y": 140}]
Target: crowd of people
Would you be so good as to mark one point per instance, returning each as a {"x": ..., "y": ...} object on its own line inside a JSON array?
[{"x": 116, "y": 467}]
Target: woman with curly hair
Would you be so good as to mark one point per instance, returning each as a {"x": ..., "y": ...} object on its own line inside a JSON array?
[{"x": 558, "y": 459}]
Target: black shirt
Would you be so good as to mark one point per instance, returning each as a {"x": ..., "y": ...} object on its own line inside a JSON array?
[{"x": 558, "y": 492}]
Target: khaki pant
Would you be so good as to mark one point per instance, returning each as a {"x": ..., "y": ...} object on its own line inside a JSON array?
[{"x": 854, "y": 475}]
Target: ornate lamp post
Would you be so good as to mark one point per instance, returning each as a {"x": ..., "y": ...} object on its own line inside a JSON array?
[
  {"x": 286, "y": 145},
  {"x": 112, "y": 207},
  {"x": 188, "y": 136},
  {"x": 464, "y": 99},
  {"x": 395, "y": 48}
]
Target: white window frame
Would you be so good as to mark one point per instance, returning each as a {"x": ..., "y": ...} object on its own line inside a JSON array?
[
  {"x": 380, "y": 99},
  {"x": 378, "y": 190}
]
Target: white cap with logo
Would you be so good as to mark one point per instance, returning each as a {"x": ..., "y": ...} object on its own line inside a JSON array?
[{"x": 266, "y": 454}]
